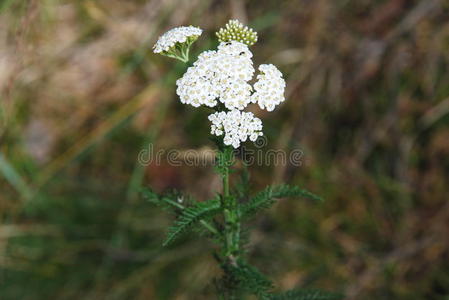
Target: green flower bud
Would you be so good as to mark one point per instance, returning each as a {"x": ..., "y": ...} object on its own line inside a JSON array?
[{"x": 235, "y": 31}]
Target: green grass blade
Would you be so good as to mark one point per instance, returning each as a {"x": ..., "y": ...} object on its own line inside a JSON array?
[{"x": 13, "y": 177}]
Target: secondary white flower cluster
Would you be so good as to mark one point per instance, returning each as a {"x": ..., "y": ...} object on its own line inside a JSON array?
[
  {"x": 269, "y": 88},
  {"x": 236, "y": 126},
  {"x": 176, "y": 35},
  {"x": 219, "y": 75}
]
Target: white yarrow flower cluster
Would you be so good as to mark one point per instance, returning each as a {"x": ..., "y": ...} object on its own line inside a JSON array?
[
  {"x": 221, "y": 75},
  {"x": 176, "y": 35},
  {"x": 220, "y": 79},
  {"x": 236, "y": 126},
  {"x": 269, "y": 88}
]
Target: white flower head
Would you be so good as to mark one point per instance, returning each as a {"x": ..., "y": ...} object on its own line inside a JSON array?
[
  {"x": 180, "y": 35},
  {"x": 221, "y": 75},
  {"x": 269, "y": 88},
  {"x": 236, "y": 126}
]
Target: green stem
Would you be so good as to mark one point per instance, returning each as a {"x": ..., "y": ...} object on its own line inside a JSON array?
[
  {"x": 226, "y": 212},
  {"x": 232, "y": 222},
  {"x": 183, "y": 58},
  {"x": 231, "y": 226},
  {"x": 226, "y": 182},
  {"x": 186, "y": 54}
]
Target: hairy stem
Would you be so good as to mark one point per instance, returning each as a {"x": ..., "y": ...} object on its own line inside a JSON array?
[
  {"x": 227, "y": 213},
  {"x": 231, "y": 218}
]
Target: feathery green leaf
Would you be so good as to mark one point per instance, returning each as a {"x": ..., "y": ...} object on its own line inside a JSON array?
[
  {"x": 190, "y": 215},
  {"x": 167, "y": 202},
  {"x": 267, "y": 197},
  {"x": 250, "y": 279},
  {"x": 306, "y": 294}
]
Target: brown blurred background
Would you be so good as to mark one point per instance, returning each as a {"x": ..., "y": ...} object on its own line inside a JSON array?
[{"x": 368, "y": 104}]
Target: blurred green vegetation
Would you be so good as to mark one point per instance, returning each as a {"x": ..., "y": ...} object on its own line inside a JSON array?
[{"x": 82, "y": 94}]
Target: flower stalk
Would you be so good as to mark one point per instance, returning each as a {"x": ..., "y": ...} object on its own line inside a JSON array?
[{"x": 230, "y": 214}]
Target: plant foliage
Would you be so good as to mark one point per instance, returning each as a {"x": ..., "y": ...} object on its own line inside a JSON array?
[
  {"x": 191, "y": 215},
  {"x": 306, "y": 294},
  {"x": 167, "y": 202},
  {"x": 249, "y": 279},
  {"x": 267, "y": 197},
  {"x": 224, "y": 161}
]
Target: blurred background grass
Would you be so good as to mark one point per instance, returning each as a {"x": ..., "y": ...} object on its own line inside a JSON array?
[{"x": 82, "y": 94}]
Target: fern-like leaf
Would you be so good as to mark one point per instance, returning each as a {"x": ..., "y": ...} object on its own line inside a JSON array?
[
  {"x": 306, "y": 295},
  {"x": 191, "y": 215},
  {"x": 150, "y": 195},
  {"x": 250, "y": 279},
  {"x": 267, "y": 197},
  {"x": 166, "y": 202}
]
